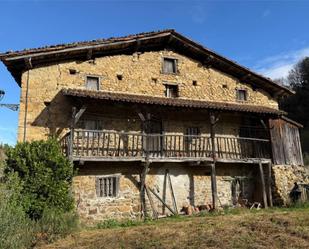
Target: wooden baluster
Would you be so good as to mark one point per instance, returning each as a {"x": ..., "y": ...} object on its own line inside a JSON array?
[
  {"x": 103, "y": 143},
  {"x": 119, "y": 150},
  {"x": 98, "y": 143},
  {"x": 107, "y": 146},
  {"x": 132, "y": 146}
]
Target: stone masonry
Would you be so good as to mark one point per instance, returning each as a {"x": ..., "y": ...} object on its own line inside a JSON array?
[{"x": 141, "y": 74}]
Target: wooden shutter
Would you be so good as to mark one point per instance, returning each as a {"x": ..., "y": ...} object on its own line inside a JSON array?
[{"x": 169, "y": 65}]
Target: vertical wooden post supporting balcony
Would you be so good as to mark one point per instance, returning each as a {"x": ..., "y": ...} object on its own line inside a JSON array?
[
  {"x": 269, "y": 180},
  {"x": 263, "y": 184},
  {"x": 213, "y": 164},
  {"x": 72, "y": 133},
  {"x": 143, "y": 178}
]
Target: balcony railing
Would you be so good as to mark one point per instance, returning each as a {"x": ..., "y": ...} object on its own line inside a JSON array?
[{"x": 90, "y": 144}]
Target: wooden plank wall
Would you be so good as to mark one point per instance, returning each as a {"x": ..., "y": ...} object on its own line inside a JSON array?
[{"x": 285, "y": 139}]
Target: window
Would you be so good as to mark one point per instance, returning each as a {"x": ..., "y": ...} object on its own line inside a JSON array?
[
  {"x": 171, "y": 91},
  {"x": 92, "y": 83},
  {"x": 169, "y": 65},
  {"x": 241, "y": 95},
  {"x": 107, "y": 186},
  {"x": 92, "y": 126}
]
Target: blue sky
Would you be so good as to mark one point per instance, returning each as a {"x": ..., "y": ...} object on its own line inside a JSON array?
[{"x": 266, "y": 36}]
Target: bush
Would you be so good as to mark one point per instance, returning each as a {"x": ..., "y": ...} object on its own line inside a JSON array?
[
  {"x": 46, "y": 176},
  {"x": 16, "y": 229}
]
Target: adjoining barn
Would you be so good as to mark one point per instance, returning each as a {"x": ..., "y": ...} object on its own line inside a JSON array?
[{"x": 156, "y": 123}]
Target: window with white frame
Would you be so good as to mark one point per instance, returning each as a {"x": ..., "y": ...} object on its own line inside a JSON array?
[
  {"x": 92, "y": 83},
  {"x": 107, "y": 186}
]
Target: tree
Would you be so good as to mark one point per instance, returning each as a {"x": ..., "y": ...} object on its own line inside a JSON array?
[
  {"x": 297, "y": 105},
  {"x": 45, "y": 174}
]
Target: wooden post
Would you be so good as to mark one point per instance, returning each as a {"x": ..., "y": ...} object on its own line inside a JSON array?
[
  {"x": 143, "y": 178},
  {"x": 263, "y": 184},
  {"x": 142, "y": 189},
  {"x": 213, "y": 164},
  {"x": 269, "y": 180},
  {"x": 72, "y": 133}
]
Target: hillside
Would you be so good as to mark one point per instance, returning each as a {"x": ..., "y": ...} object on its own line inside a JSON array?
[{"x": 277, "y": 228}]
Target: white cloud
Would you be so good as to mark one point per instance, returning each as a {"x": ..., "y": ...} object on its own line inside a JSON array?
[{"x": 278, "y": 66}]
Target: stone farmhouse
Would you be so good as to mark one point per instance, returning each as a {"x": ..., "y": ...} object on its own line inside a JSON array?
[{"x": 155, "y": 122}]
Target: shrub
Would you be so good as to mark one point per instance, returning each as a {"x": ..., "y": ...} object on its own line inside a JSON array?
[
  {"x": 16, "y": 229},
  {"x": 46, "y": 175}
]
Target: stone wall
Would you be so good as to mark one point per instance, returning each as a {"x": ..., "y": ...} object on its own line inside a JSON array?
[
  {"x": 191, "y": 184},
  {"x": 284, "y": 177},
  {"x": 141, "y": 74}
]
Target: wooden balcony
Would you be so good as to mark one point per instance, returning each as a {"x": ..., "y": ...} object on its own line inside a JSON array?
[{"x": 91, "y": 145}]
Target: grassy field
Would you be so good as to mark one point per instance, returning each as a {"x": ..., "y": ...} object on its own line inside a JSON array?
[{"x": 274, "y": 228}]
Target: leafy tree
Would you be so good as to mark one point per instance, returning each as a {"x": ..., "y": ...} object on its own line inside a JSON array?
[
  {"x": 297, "y": 105},
  {"x": 45, "y": 174}
]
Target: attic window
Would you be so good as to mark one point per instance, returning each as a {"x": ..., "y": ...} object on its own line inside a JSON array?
[
  {"x": 92, "y": 83},
  {"x": 241, "y": 95},
  {"x": 169, "y": 65}
]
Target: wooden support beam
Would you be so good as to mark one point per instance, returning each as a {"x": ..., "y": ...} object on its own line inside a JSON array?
[
  {"x": 79, "y": 114},
  {"x": 214, "y": 191},
  {"x": 263, "y": 184},
  {"x": 72, "y": 133},
  {"x": 269, "y": 181},
  {"x": 213, "y": 121},
  {"x": 142, "y": 188},
  {"x": 154, "y": 211},
  {"x": 163, "y": 202}
]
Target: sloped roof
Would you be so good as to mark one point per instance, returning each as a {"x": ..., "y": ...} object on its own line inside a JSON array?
[
  {"x": 164, "y": 101},
  {"x": 18, "y": 61}
]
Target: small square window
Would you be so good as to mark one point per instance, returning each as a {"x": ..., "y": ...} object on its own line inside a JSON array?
[
  {"x": 171, "y": 91},
  {"x": 92, "y": 83},
  {"x": 107, "y": 186},
  {"x": 169, "y": 65},
  {"x": 241, "y": 95}
]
